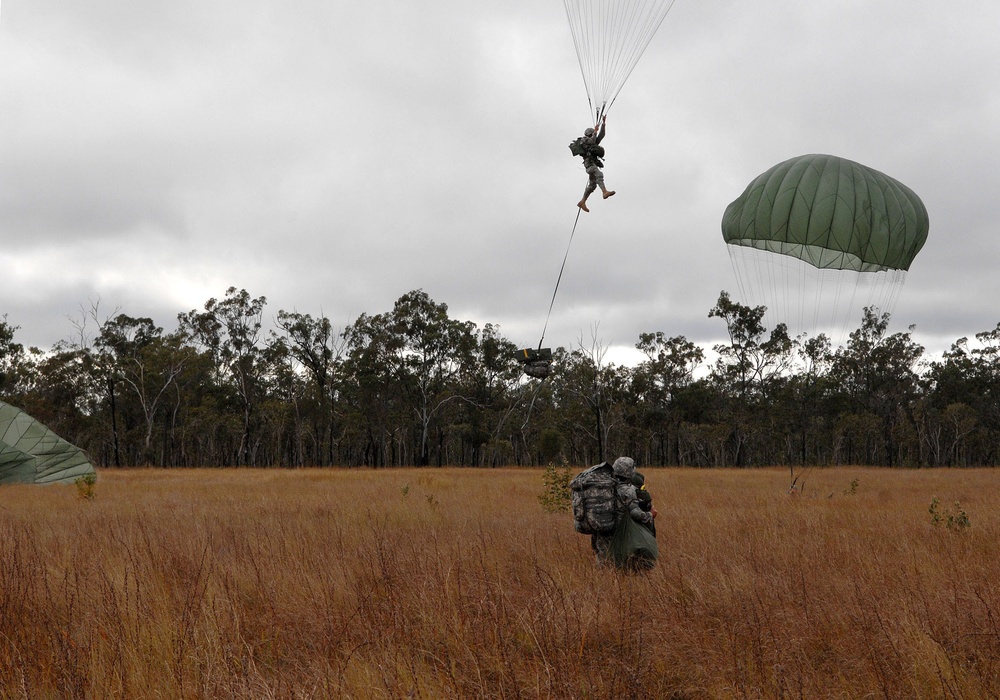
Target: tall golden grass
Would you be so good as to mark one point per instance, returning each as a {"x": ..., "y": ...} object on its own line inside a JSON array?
[{"x": 455, "y": 583}]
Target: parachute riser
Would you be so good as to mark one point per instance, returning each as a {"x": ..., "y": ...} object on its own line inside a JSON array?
[{"x": 600, "y": 114}]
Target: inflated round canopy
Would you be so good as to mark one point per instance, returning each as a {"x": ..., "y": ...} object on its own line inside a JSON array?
[{"x": 830, "y": 212}]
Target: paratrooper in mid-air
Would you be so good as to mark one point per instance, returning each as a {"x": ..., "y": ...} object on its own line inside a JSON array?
[{"x": 590, "y": 149}]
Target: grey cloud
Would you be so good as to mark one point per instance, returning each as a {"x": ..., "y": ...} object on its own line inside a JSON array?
[{"x": 332, "y": 157}]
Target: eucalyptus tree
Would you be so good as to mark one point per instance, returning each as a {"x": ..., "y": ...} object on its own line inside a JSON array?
[
  {"x": 135, "y": 353},
  {"x": 373, "y": 392},
  {"x": 876, "y": 374},
  {"x": 230, "y": 332},
  {"x": 657, "y": 382},
  {"x": 404, "y": 366},
  {"x": 489, "y": 384},
  {"x": 807, "y": 403},
  {"x": 435, "y": 350},
  {"x": 589, "y": 397},
  {"x": 752, "y": 358},
  {"x": 313, "y": 344},
  {"x": 750, "y": 368},
  {"x": 75, "y": 378},
  {"x": 983, "y": 398},
  {"x": 11, "y": 357},
  {"x": 961, "y": 404}
]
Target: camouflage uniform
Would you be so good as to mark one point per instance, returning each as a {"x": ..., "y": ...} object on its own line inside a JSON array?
[
  {"x": 593, "y": 165},
  {"x": 643, "y": 497},
  {"x": 625, "y": 504}
]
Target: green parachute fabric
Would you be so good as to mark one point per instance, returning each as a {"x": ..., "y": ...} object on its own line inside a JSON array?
[
  {"x": 30, "y": 453},
  {"x": 830, "y": 212},
  {"x": 817, "y": 239},
  {"x": 633, "y": 546}
]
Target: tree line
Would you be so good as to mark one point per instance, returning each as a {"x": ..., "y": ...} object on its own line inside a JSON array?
[{"x": 414, "y": 386}]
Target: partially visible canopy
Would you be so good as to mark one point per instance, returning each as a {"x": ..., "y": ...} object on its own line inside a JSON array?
[
  {"x": 830, "y": 212},
  {"x": 30, "y": 453},
  {"x": 610, "y": 37}
]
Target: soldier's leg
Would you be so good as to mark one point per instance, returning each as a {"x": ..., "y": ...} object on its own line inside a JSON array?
[
  {"x": 599, "y": 177},
  {"x": 601, "y": 546},
  {"x": 591, "y": 186}
]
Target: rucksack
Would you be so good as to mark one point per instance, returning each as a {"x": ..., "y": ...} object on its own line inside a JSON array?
[
  {"x": 587, "y": 149},
  {"x": 536, "y": 363},
  {"x": 593, "y": 494}
]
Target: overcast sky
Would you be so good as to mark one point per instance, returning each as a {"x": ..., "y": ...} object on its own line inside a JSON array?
[{"x": 332, "y": 156}]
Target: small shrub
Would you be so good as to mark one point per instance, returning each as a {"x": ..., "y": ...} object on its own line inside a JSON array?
[
  {"x": 556, "y": 496},
  {"x": 853, "y": 488},
  {"x": 959, "y": 520},
  {"x": 86, "y": 487},
  {"x": 953, "y": 520}
]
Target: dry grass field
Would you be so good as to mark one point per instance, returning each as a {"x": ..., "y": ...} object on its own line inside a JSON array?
[{"x": 449, "y": 583}]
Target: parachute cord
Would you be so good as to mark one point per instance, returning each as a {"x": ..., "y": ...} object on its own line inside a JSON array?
[
  {"x": 609, "y": 38},
  {"x": 558, "y": 280}
]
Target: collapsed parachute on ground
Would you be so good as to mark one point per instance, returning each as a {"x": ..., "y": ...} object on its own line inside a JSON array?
[
  {"x": 817, "y": 238},
  {"x": 30, "y": 453},
  {"x": 610, "y": 37}
]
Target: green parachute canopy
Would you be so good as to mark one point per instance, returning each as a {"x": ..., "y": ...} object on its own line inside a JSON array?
[
  {"x": 817, "y": 238},
  {"x": 830, "y": 212},
  {"x": 30, "y": 453}
]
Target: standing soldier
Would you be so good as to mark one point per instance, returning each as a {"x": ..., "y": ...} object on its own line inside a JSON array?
[{"x": 625, "y": 504}]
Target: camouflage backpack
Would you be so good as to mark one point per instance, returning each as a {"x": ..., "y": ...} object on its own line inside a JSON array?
[
  {"x": 594, "y": 491},
  {"x": 586, "y": 147}
]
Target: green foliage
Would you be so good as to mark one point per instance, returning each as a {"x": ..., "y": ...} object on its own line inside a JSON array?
[
  {"x": 953, "y": 520},
  {"x": 550, "y": 444},
  {"x": 853, "y": 488},
  {"x": 406, "y": 489},
  {"x": 753, "y": 359},
  {"x": 414, "y": 386},
  {"x": 556, "y": 497},
  {"x": 229, "y": 331},
  {"x": 10, "y": 353},
  {"x": 86, "y": 487}
]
